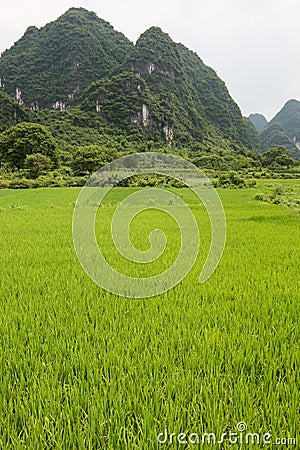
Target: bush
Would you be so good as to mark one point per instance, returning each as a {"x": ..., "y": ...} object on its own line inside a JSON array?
[
  {"x": 37, "y": 164},
  {"x": 231, "y": 180},
  {"x": 26, "y": 139}
]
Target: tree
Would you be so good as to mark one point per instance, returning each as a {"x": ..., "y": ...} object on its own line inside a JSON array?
[
  {"x": 209, "y": 162},
  {"x": 90, "y": 158},
  {"x": 270, "y": 156},
  {"x": 37, "y": 163},
  {"x": 284, "y": 161},
  {"x": 26, "y": 139}
]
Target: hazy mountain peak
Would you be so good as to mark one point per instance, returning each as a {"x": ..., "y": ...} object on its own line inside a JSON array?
[
  {"x": 292, "y": 102},
  {"x": 289, "y": 118},
  {"x": 259, "y": 121},
  {"x": 283, "y": 130}
]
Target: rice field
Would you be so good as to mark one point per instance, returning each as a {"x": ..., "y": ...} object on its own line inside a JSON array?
[{"x": 85, "y": 369}]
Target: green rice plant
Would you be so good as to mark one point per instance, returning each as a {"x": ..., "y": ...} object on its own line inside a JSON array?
[{"x": 84, "y": 369}]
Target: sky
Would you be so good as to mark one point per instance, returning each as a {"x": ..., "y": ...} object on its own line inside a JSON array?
[{"x": 253, "y": 45}]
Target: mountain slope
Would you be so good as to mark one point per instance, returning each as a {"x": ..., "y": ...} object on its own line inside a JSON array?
[
  {"x": 194, "y": 98},
  {"x": 289, "y": 118},
  {"x": 156, "y": 59},
  {"x": 282, "y": 130},
  {"x": 219, "y": 108},
  {"x": 48, "y": 66},
  {"x": 275, "y": 136},
  {"x": 10, "y": 112},
  {"x": 156, "y": 89},
  {"x": 252, "y": 134},
  {"x": 259, "y": 121},
  {"x": 123, "y": 101}
]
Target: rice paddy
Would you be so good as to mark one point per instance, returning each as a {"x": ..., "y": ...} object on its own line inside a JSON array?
[{"x": 85, "y": 369}]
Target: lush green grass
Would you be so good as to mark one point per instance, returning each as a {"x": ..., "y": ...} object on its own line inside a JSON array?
[
  {"x": 293, "y": 184},
  {"x": 84, "y": 369}
]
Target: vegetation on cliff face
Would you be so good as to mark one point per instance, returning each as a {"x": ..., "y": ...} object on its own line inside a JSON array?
[
  {"x": 10, "y": 112},
  {"x": 219, "y": 108},
  {"x": 289, "y": 118},
  {"x": 124, "y": 101},
  {"x": 275, "y": 136},
  {"x": 156, "y": 59},
  {"x": 195, "y": 101},
  {"x": 282, "y": 131},
  {"x": 156, "y": 95},
  {"x": 47, "y": 67},
  {"x": 252, "y": 134},
  {"x": 156, "y": 87}
]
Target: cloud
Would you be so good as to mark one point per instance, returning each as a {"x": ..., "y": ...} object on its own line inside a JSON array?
[{"x": 253, "y": 46}]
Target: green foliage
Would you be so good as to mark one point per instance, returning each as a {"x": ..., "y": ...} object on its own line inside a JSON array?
[
  {"x": 277, "y": 156},
  {"x": 283, "y": 130},
  {"x": 84, "y": 369},
  {"x": 124, "y": 101},
  {"x": 275, "y": 136},
  {"x": 270, "y": 155},
  {"x": 284, "y": 160},
  {"x": 151, "y": 180},
  {"x": 75, "y": 128},
  {"x": 226, "y": 160},
  {"x": 289, "y": 118},
  {"x": 231, "y": 180},
  {"x": 253, "y": 136},
  {"x": 37, "y": 163},
  {"x": 209, "y": 162},
  {"x": 154, "y": 91},
  {"x": 57, "y": 61},
  {"x": 281, "y": 194},
  {"x": 10, "y": 112},
  {"x": 156, "y": 95},
  {"x": 217, "y": 105},
  {"x": 22, "y": 180},
  {"x": 91, "y": 158},
  {"x": 25, "y": 139},
  {"x": 157, "y": 60}
]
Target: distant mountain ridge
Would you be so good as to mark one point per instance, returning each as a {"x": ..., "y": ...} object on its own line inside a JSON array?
[
  {"x": 282, "y": 130},
  {"x": 289, "y": 118},
  {"x": 275, "y": 136},
  {"x": 156, "y": 86},
  {"x": 259, "y": 121}
]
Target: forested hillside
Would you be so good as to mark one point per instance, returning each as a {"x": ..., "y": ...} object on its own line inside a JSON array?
[
  {"x": 156, "y": 86},
  {"x": 47, "y": 67},
  {"x": 82, "y": 89},
  {"x": 283, "y": 130}
]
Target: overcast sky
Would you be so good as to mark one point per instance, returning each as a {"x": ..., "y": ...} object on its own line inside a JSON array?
[{"x": 254, "y": 45}]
